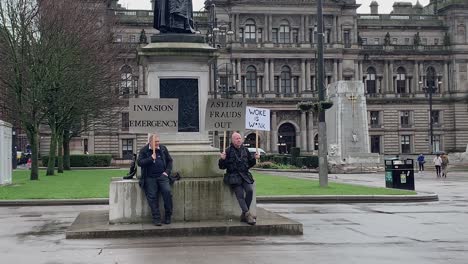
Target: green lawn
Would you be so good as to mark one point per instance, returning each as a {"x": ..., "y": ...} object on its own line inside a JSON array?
[{"x": 95, "y": 184}]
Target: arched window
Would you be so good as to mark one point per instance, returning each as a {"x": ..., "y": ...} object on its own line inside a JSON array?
[
  {"x": 431, "y": 78},
  {"x": 249, "y": 141},
  {"x": 284, "y": 30},
  {"x": 286, "y": 138},
  {"x": 126, "y": 79},
  {"x": 250, "y": 31},
  {"x": 251, "y": 81},
  {"x": 286, "y": 80},
  {"x": 371, "y": 82},
  {"x": 401, "y": 80}
]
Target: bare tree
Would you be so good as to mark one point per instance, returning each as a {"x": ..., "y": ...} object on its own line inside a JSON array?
[
  {"x": 81, "y": 64},
  {"x": 21, "y": 67}
]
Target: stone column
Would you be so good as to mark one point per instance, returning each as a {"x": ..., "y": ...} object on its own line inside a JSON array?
[
  {"x": 340, "y": 70},
  {"x": 385, "y": 76},
  {"x": 307, "y": 75},
  {"x": 390, "y": 78},
  {"x": 274, "y": 130},
  {"x": 303, "y": 131},
  {"x": 306, "y": 29},
  {"x": 338, "y": 27},
  {"x": 303, "y": 76},
  {"x": 310, "y": 132},
  {"x": 334, "y": 30},
  {"x": 141, "y": 77},
  {"x": 417, "y": 87},
  {"x": 335, "y": 70},
  {"x": 270, "y": 27},
  {"x": 236, "y": 27},
  {"x": 446, "y": 78},
  {"x": 266, "y": 78},
  {"x": 268, "y": 142},
  {"x": 356, "y": 71},
  {"x": 301, "y": 29},
  {"x": 239, "y": 75},
  {"x": 266, "y": 30},
  {"x": 272, "y": 75}
]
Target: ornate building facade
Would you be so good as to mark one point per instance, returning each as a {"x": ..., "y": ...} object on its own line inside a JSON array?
[{"x": 268, "y": 55}]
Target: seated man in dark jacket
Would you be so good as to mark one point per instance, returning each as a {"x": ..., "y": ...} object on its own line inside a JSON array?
[
  {"x": 237, "y": 160},
  {"x": 156, "y": 166}
]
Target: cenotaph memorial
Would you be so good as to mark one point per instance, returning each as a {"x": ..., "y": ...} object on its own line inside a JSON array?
[
  {"x": 5, "y": 152},
  {"x": 347, "y": 129},
  {"x": 177, "y": 66}
]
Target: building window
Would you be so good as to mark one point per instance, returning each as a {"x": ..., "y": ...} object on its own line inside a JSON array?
[
  {"x": 125, "y": 121},
  {"x": 241, "y": 34},
  {"x": 260, "y": 35},
  {"x": 406, "y": 144},
  {"x": 436, "y": 41},
  {"x": 286, "y": 81},
  {"x": 277, "y": 84},
  {"x": 132, "y": 38},
  {"x": 424, "y": 41},
  {"x": 126, "y": 80},
  {"x": 436, "y": 143},
  {"x": 284, "y": 32},
  {"x": 118, "y": 38},
  {"x": 347, "y": 38},
  {"x": 127, "y": 148},
  {"x": 251, "y": 79},
  {"x": 407, "y": 41},
  {"x": 364, "y": 41},
  {"x": 436, "y": 117},
  {"x": 370, "y": 81},
  {"x": 295, "y": 36},
  {"x": 375, "y": 144},
  {"x": 394, "y": 41},
  {"x": 431, "y": 78},
  {"x": 376, "y": 41},
  {"x": 375, "y": 119},
  {"x": 274, "y": 35},
  {"x": 401, "y": 80},
  {"x": 250, "y": 32},
  {"x": 405, "y": 120}
]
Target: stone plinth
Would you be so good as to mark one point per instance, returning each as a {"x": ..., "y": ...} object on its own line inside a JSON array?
[{"x": 5, "y": 152}]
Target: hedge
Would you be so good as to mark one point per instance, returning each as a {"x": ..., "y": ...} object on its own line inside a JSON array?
[
  {"x": 301, "y": 161},
  {"x": 92, "y": 160}
]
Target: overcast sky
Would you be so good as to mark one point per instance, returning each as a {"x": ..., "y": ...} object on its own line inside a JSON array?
[{"x": 385, "y": 5}]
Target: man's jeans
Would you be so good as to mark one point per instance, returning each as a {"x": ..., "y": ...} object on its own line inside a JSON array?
[{"x": 154, "y": 186}]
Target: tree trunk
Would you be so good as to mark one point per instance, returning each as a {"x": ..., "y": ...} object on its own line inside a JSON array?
[
  {"x": 52, "y": 151},
  {"x": 34, "y": 141},
  {"x": 60, "y": 152},
  {"x": 66, "y": 150}
]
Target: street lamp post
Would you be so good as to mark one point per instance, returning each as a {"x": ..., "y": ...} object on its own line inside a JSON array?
[
  {"x": 323, "y": 148},
  {"x": 430, "y": 90}
]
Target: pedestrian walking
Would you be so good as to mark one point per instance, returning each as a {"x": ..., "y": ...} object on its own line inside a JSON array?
[
  {"x": 438, "y": 163},
  {"x": 444, "y": 165},
  {"x": 421, "y": 162}
]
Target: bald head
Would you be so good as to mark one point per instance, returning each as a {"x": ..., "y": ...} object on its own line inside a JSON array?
[{"x": 236, "y": 140}]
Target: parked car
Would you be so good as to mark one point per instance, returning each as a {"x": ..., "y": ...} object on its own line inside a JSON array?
[{"x": 253, "y": 150}]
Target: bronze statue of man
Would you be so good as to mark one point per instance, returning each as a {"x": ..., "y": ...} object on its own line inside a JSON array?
[{"x": 173, "y": 16}]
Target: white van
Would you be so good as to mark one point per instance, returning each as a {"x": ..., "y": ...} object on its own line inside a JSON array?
[{"x": 253, "y": 150}]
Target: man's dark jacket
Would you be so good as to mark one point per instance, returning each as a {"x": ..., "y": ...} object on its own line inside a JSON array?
[
  {"x": 145, "y": 160},
  {"x": 237, "y": 164}
]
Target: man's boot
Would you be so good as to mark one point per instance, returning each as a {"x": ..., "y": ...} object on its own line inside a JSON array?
[
  {"x": 242, "y": 218},
  {"x": 249, "y": 218},
  {"x": 167, "y": 220}
]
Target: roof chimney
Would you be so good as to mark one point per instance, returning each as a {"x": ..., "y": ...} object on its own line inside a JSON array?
[{"x": 374, "y": 7}]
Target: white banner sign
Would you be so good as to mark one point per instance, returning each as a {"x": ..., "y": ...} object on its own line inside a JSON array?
[
  {"x": 149, "y": 115},
  {"x": 257, "y": 119}
]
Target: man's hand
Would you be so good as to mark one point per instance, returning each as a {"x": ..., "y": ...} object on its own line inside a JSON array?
[
  {"x": 153, "y": 156},
  {"x": 223, "y": 155},
  {"x": 165, "y": 174}
]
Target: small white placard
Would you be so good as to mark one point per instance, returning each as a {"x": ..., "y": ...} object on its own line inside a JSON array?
[{"x": 257, "y": 119}]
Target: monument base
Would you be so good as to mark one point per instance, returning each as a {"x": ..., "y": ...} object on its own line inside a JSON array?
[
  {"x": 95, "y": 224},
  {"x": 358, "y": 163}
]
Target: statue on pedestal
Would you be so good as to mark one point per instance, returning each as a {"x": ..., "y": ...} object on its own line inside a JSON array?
[{"x": 173, "y": 16}]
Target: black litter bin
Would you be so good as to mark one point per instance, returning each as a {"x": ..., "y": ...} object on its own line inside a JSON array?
[{"x": 399, "y": 174}]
